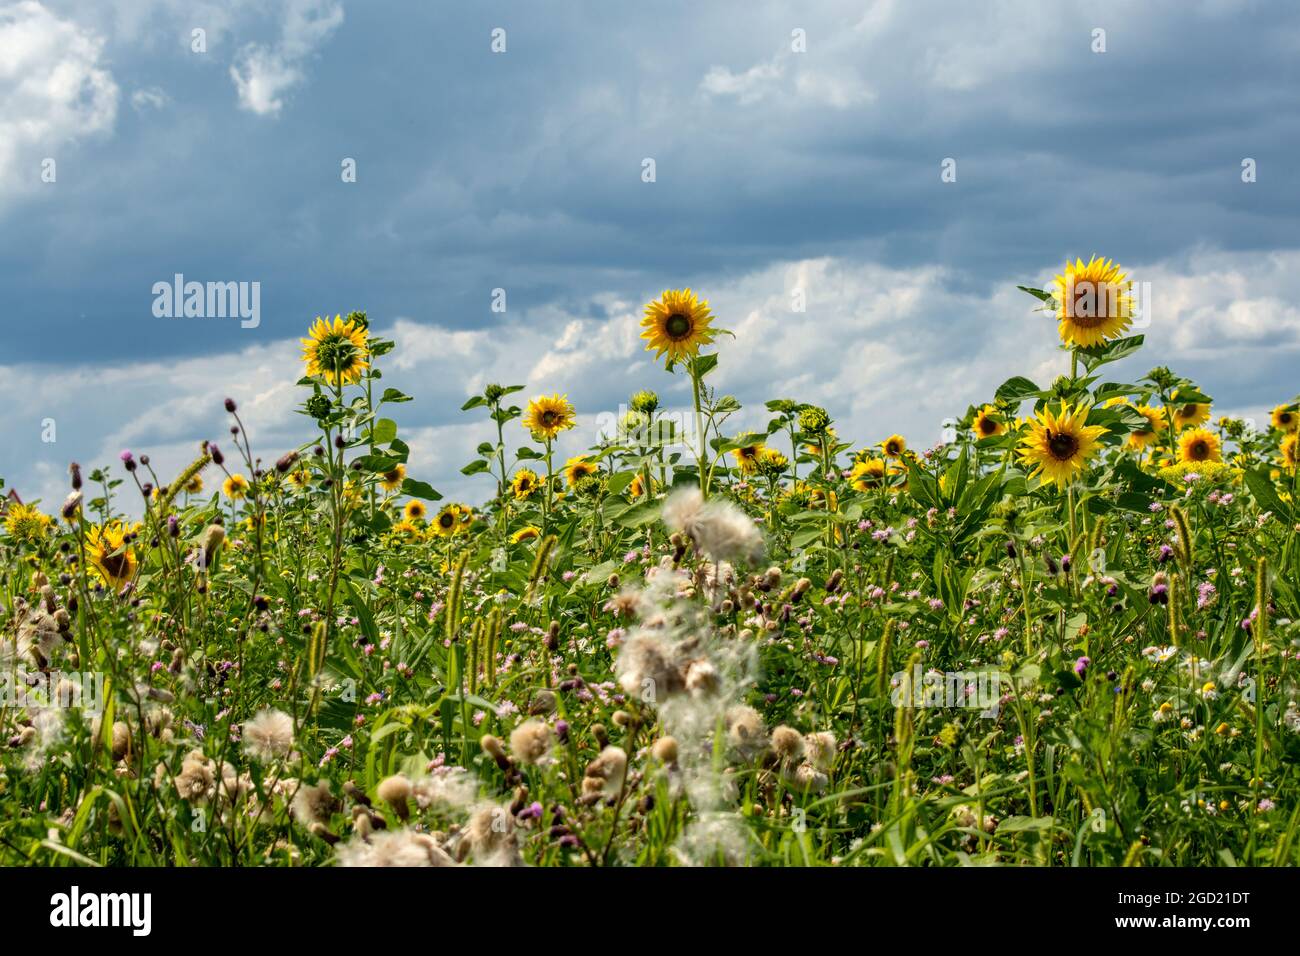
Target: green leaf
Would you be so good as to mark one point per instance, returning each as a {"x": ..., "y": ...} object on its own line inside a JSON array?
[
  {"x": 475, "y": 467},
  {"x": 420, "y": 489},
  {"x": 1037, "y": 293},
  {"x": 1096, "y": 356},
  {"x": 474, "y": 402},
  {"x": 1016, "y": 390},
  {"x": 394, "y": 396},
  {"x": 384, "y": 431},
  {"x": 1265, "y": 494}
]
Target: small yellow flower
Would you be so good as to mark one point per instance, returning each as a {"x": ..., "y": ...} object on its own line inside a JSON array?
[
  {"x": 577, "y": 468},
  {"x": 548, "y": 415},
  {"x": 235, "y": 487},
  {"x": 1286, "y": 418},
  {"x": 524, "y": 483},
  {"x": 447, "y": 522},
  {"x": 415, "y": 510},
  {"x": 988, "y": 423},
  {"x": 109, "y": 553},
  {"x": 867, "y": 474}
]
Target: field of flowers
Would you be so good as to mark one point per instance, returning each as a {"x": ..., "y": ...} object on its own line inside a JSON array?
[{"x": 1065, "y": 637}]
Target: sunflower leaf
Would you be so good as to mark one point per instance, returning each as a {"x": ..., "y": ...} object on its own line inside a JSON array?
[
  {"x": 1016, "y": 390},
  {"x": 1261, "y": 487},
  {"x": 420, "y": 489},
  {"x": 1096, "y": 356},
  {"x": 1037, "y": 293}
]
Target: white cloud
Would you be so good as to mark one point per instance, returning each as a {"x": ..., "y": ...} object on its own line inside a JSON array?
[
  {"x": 149, "y": 98},
  {"x": 54, "y": 89},
  {"x": 263, "y": 75},
  {"x": 884, "y": 349}
]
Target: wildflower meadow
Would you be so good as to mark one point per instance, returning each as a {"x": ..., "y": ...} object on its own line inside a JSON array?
[{"x": 1065, "y": 636}]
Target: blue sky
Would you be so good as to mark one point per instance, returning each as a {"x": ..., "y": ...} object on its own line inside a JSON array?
[{"x": 775, "y": 170}]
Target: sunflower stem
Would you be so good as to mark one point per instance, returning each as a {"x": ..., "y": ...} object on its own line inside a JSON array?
[{"x": 699, "y": 428}]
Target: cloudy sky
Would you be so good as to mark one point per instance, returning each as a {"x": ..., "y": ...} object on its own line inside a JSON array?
[{"x": 795, "y": 147}]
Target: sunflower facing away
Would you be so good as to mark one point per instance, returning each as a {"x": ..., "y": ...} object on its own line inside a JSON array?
[
  {"x": 1198, "y": 444},
  {"x": 526, "y": 534},
  {"x": 1291, "y": 451},
  {"x": 109, "y": 553},
  {"x": 676, "y": 325},
  {"x": 1059, "y": 444},
  {"x": 988, "y": 423},
  {"x": 578, "y": 468},
  {"x": 524, "y": 484},
  {"x": 392, "y": 480},
  {"x": 1093, "y": 302},
  {"x": 336, "y": 351},
  {"x": 894, "y": 446},
  {"x": 548, "y": 415},
  {"x": 1286, "y": 418}
]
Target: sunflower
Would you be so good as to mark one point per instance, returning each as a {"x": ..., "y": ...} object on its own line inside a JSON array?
[
  {"x": 466, "y": 519},
  {"x": 26, "y": 522},
  {"x": 235, "y": 487},
  {"x": 637, "y": 488},
  {"x": 988, "y": 423},
  {"x": 1060, "y": 444},
  {"x": 867, "y": 474},
  {"x": 447, "y": 522},
  {"x": 747, "y": 457},
  {"x": 771, "y": 463},
  {"x": 677, "y": 325},
  {"x": 526, "y": 534},
  {"x": 1141, "y": 438},
  {"x": 524, "y": 484},
  {"x": 392, "y": 480},
  {"x": 300, "y": 479},
  {"x": 414, "y": 510},
  {"x": 336, "y": 352},
  {"x": 405, "y": 529},
  {"x": 578, "y": 468},
  {"x": 894, "y": 446},
  {"x": 109, "y": 553},
  {"x": 1290, "y": 453},
  {"x": 1188, "y": 413},
  {"x": 549, "y": 415},
  {"x": 1093, "y": 302},
  {"x": 815, "y": 447},
  {"x": 1199, "y": 444},
  {"x": 1285, "y": 418}
]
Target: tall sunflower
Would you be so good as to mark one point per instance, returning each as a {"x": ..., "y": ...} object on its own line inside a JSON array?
[
  {"x": 524, "y": 483},
  {"x": 1059, "y": 444},
  {"x": 337, "y": 351},
  {"x": 988, "y": 423},
  {"x": 109, "y": 552},
  {"x": 392, "y": 480},
  {"x": 747, "y": 458},
  {"x": 894, "y": 446},
  {"x": 548, "y": 415},
  {"x": 1093, "y": 302},
  {"x": 1199, "y": 444},
  {"x": 677, "y": 324},
  {"x": 447, "y": 521},
  {"x": 1286, "y": 418},
  {"x": 578, "y": 468}
]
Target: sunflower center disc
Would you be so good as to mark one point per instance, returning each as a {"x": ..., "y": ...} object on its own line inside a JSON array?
[
  {"x": 1062, "y": 446},
  {"x": 116, "y": 564},
  {"x": 678, "y": 326}
]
